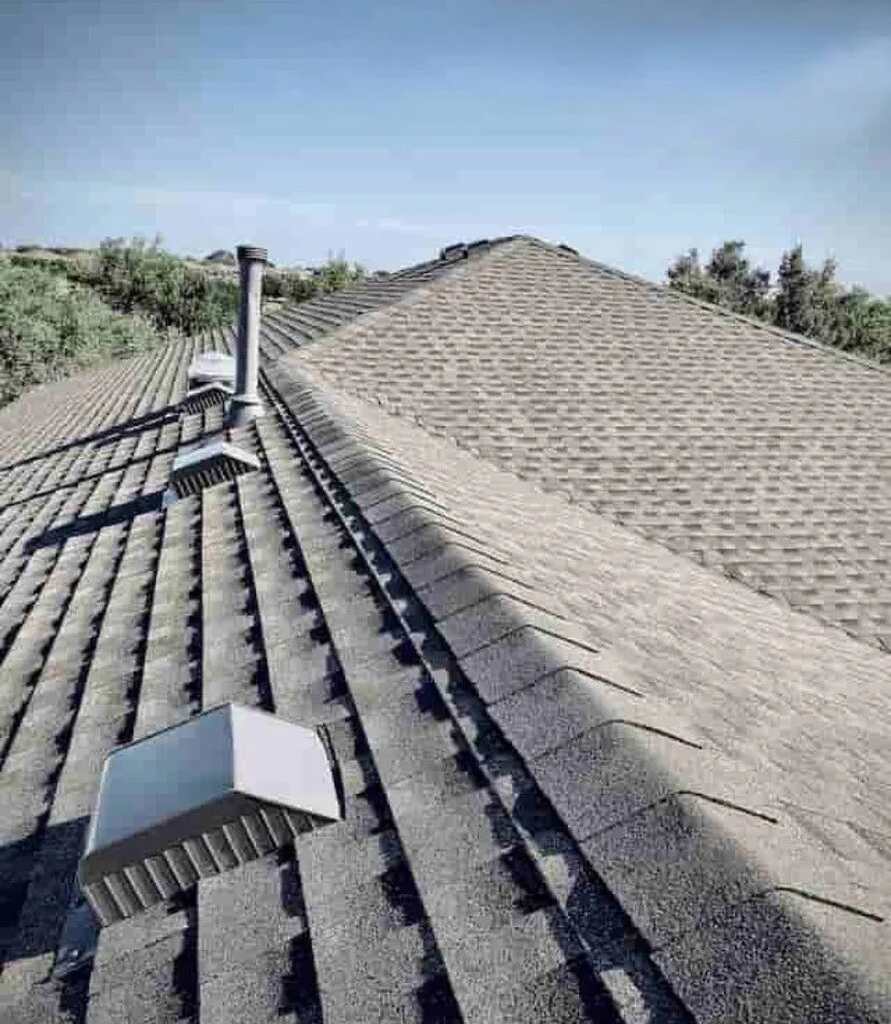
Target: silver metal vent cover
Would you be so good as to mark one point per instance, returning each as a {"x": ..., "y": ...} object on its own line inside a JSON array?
[
  {"x": 196, "y": 799},
  {"x": 212, "y": 368},
  {"x": 207, "y": 465},
  {"x": 206, "y": 396}
]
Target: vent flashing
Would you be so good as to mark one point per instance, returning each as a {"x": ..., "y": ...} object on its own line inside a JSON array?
[
  {"x": 207, "y": 465},
  {"x": 193, "y": 800}
]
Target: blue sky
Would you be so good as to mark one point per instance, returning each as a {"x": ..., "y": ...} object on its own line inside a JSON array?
[{"x": 629, "y": 131}]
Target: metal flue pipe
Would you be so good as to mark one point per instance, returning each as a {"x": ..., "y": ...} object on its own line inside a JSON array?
[{"x": 246, "y": 405}]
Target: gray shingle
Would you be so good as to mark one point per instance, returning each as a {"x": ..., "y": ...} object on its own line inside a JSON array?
[{"x": 532, "y": 710}]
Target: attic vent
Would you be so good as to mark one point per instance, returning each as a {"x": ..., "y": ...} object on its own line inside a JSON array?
[
  {"x": 458, "y": 251},
  {"x": 206, "y": 396},
  {"x": 208, "y": 465},
  {"x": 212, "y": 368},
  {"x": 196, "y": 799}
]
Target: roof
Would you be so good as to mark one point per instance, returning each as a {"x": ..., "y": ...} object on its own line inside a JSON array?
[{"x": 585, "y": 776}]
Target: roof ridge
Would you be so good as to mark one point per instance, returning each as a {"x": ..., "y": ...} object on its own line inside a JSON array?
[
  {"x": 677, "y": 295},
  {"x": 452, "y": 270}
]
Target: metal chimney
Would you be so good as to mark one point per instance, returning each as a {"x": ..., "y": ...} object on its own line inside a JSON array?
[{"x": 246, "y": 405}]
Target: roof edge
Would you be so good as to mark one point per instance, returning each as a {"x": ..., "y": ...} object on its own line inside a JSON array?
[
  {"x": 675, "y": 294},
  {"x": 484, "y": 249}
]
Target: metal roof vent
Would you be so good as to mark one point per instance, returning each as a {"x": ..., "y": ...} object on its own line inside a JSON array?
[
  {"x": 196, "y": 799},
  {"x": 458, "y": 251},
  {"x": 206, "y": 396},
  {"x": 212, "y": 368},
  {"x": 210, "y": 464}
]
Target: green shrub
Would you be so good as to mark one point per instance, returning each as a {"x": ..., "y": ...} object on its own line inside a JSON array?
[
  {"x": 61, "y": 310},
  {"x": 300, "y": 285},
  {"x": 50, "y": 326},
  {"x": 138, "y": 276}
]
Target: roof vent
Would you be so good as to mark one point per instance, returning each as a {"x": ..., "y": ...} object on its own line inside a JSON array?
[
  {"x": 458, "y": 251},
  {"x": 205, "y": 397},
  {"x": 196, "y": 799},
  {"x": 212, "y": 368},
  {"x": 210, "y": 464}
]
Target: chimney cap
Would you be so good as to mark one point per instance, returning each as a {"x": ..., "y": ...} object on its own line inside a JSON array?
[{"x": 252, "y": 252}]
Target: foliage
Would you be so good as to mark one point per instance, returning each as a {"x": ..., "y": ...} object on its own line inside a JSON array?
[
  {"x": 140, "y": 276},
  {"x": 300, "y": 285},
  {"x": 61, "y": 309},
  {"x": 728, "y": 279},
  {"x": 804, "y": 299},
  {"x": 50, "y": 326},
  {"x": 337, "y": 274}
]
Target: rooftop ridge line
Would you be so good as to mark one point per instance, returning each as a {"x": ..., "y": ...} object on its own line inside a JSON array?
[
  {"x": 676, "y": 294},
  {"x": 421, "y": 290}
]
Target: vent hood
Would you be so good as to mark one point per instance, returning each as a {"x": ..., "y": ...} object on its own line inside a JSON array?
[
  {"x": 212, "y": 368},
  {"x": 205, "y": 396},
  {"x": 209, "y": 464},
  {"x": 194, "y": 800}
]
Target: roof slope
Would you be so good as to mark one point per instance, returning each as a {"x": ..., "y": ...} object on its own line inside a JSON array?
[
  {"x": 122, "y": 618},
  {"x": 719, "y": 760},
  {"x": 746, "y": 449},
  {"x": 585, "y": 779},
  {"x": 292, "y": 326}
]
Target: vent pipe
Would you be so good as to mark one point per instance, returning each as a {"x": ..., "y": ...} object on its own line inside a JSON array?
[{"x": 246, "y": 405}]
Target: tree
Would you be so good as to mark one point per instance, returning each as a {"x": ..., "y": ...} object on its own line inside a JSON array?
[
  {"x": 727, "y": 280},
  {"x": 805, "y": 300},
  {"x": 742, "y": 288}
]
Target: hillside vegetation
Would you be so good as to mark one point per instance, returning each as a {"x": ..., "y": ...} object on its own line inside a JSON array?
[
  {"x": 65, "y": 309},
  {"x": 804, "y": 299},
  {"x": 51, "y": 326}
]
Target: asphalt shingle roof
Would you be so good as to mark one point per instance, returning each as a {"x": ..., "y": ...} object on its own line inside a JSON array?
[
  {"x": 585, "y": 777},
  {"x": 737, "y": 445}
]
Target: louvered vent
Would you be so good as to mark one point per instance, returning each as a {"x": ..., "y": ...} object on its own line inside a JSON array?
[
  {"x": 206, "y": 396},
  {"x": 212, "y": 368},
  {"x": 196, "y": 799},
  {"x": 208, "y": 465}
]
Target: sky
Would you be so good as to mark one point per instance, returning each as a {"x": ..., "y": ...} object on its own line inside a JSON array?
[{"x": 385, "y": 130}]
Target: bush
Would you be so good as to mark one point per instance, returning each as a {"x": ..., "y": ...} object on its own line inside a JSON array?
[
  {"x": 50, "y": 326},
  {"x": 300, "y": 285},
  {"x": 138, "y": 276}
]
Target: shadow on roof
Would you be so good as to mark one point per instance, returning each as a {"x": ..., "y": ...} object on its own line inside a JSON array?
[
  {"x": 93, "y": 523},
  {"x": 45, "y": 861},
  {"x": 89, "y": 477},
  {"x": 103, "y": 437}
]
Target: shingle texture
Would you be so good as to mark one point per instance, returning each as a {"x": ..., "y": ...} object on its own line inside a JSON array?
[
  {"x": 584, "y": 777},
  {"x": 762, "y": 457}
]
